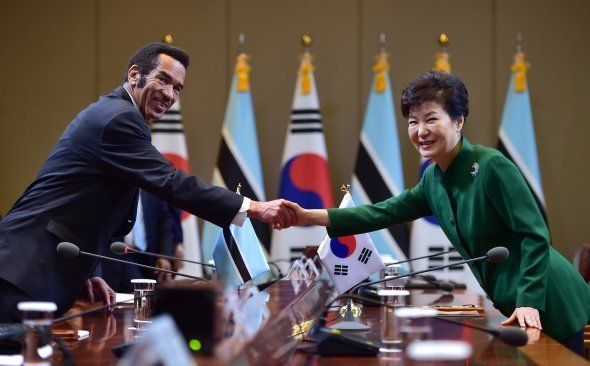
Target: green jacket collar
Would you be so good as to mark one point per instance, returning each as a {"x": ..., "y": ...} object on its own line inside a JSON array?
[{"x": 462, "y": 162}]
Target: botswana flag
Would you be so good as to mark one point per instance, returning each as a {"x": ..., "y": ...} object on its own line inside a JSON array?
[
  {"x": 517, "y": 131},
  {"x": 238, "y": 161},
  {"x": 239, "y": 257},
  {"x": 378, "y": 171}
]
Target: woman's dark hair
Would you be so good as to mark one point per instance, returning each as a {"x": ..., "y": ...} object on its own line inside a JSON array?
[
  {"x": 437, "y": 86},
  {"x": 147, "y": 57}
]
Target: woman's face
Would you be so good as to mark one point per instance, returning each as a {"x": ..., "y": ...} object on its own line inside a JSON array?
[{"x": 433, "y": 133}]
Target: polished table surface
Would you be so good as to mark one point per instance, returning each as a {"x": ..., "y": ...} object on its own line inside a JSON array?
[{"x": 108, "y": 330}]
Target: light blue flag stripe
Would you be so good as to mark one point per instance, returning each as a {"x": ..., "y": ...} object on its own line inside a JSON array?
[
  {"x": 380, "y": 128},
  {"x": 517, "y": 132},
  {"x": 240, "y": 124}
]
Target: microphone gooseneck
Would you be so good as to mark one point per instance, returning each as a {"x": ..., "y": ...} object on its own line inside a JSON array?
[
  {"x": 494, "y": 255},
  {"x": 512, "y": 336},
  {"x": 69, "y": 250},
  {"x": 120, "y": 248},
  {"x": 443, "y": 285},
  {"x": 423, "y": 257},
  {"x": 102, "y": 307},
  {"x": 446, "y": 286}
]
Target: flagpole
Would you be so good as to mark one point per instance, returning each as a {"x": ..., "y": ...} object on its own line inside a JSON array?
[
  {"x": 241, "y": 43},
  {"x": 518, "y": 42}
]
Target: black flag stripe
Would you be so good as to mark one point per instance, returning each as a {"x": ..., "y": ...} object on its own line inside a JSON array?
[
  {"x": 167, "y": 122},
  {"x": 504, "y": 151},
  {"x": 234, "y": 251},
  {"x": 306, "y": 120},
  {"x": 375, "y": 187},
  {"x": 167, "y": 130},
  {"x": 232, "y": 174},
  {"x": 306, "y": 130},
  {"x": 305, "y": 111}
]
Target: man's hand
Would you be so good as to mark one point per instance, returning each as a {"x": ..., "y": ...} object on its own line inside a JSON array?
[
  {"x": 162, "y": 277},
  {"x": 179, "y": 254},
  {"x": 97, "y": 286},
  {"x": 526, "y": 316},
  {"x": 276, "y": 212}
]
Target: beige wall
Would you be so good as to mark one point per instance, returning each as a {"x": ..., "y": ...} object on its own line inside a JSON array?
[{"x": 59, "y": 56}]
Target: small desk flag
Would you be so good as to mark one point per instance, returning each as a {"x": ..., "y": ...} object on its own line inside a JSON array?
[
  {"x": 349, "y": 259},
  {"x": 239, "y": 257}
]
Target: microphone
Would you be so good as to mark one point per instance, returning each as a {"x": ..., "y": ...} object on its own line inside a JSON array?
[
  {"x": 120, "y": 248},
  {"x": 69, "y": 250},
  {"x": 494, "y": 255},
  {"x": 512, "y": 336},
  {"x": 423, "y": 257}
]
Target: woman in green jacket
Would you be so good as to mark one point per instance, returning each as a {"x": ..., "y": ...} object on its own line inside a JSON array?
[{"x": 481, "y": 200}]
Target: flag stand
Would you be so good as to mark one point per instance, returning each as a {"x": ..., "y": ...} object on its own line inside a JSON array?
[{"x": 350, "y": 322}]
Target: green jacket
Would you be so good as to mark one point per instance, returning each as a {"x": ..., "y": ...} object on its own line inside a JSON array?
[{"x": 480, "y": 206}]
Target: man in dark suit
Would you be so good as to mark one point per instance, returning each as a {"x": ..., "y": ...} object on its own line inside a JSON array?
[{"x": 87, "y": 190}]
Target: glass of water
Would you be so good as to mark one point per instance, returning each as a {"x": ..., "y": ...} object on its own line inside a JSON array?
[
  {"x": 391, "y": 338},
  {"x": 415, "y": 323},
  {"x": 37, "y": 317},
  {"x": 143, "y": 305}
]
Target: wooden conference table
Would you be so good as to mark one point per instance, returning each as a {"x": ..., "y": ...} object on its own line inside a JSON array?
[{"x": 107, "y": 331}]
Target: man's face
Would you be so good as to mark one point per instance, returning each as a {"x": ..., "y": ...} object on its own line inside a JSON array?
[{"x": 156, "y": 92}]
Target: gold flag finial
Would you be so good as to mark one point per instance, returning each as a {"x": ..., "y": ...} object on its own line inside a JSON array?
[
  {"x": 345, "y": 188},
  {"x": 520, "y": 67},
  {"x": 306, "y": 67},
  {"x": 168, "y": 39},
  {"x": 306, "y": 41},
  {"x": 381, "y": 67},
  {"x": 443, "y": 40},
  {"x": 441, "y": 59}
]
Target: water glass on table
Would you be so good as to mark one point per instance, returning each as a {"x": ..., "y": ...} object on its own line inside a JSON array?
[{"x": 37, "y": 348}]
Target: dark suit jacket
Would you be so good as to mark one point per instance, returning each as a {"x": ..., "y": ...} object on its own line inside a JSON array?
[
  {"x": 161, "y": 223},
  {"x": 86, "y": 193}
]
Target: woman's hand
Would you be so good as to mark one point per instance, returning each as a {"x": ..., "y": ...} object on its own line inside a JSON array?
[
  {"x": 526, "y": 316},
  {"x": 308, "y": 217}
]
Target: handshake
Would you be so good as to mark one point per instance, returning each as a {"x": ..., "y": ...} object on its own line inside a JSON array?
[{"x": 280, "y": 213}]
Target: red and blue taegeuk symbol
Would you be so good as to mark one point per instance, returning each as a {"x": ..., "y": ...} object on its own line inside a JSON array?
[
  {"x": 305, "y": 180},
  {"x": 344, "y": 246}
]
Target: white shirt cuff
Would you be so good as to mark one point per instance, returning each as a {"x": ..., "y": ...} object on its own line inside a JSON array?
[{"x": 243, "y": 213}]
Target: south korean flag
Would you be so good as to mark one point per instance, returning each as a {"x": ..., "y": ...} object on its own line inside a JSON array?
[{"x": 349, "y": 259}]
